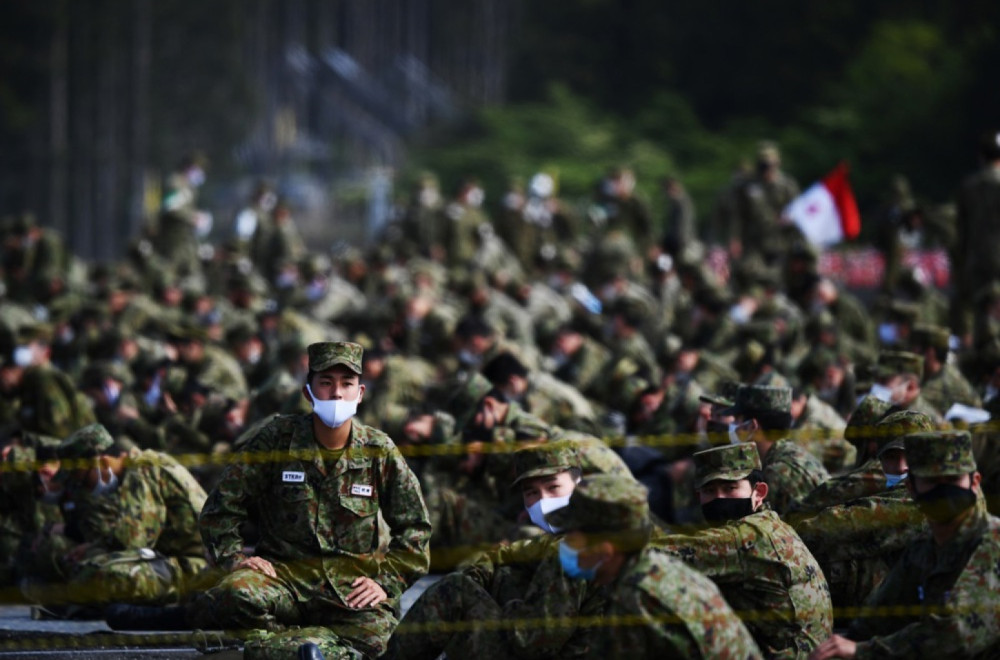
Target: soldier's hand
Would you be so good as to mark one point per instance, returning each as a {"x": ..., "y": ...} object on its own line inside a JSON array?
[
  {"x": 258, "y": 564},
  {"x": 835, "y": 647},
  {"x": 127, "y": 412},
  {"x": 366, "y": 593}
]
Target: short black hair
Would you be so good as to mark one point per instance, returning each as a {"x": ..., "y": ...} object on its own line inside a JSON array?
[
  {"x": 772, "y": 420},
  {"x": 755, "y": 477}
]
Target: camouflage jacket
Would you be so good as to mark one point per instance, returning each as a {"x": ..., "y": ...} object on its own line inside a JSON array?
[
  {"x": 767, "y": 575},
  {"x": 868, "y": 479},
  {"x": 318, "y": 516},
  {"x": 156, "y": 506},
  {"x": 544, "y": 605},
  {"x": 856, "y": 543},
  {"x": 658, "y": 607},
  {"x": 948, "y": 387},
  {"x": 791, "y": 473},
  {"x": 949, "y": 593}
]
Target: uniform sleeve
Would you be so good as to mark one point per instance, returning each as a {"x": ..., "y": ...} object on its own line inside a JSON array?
[
  {"x": 865, "y": 528},
  {"x": 968, "y": 625},
  {"x": 552, "y": 617},
  {"x": 402, "y": 504},
  {"x": 715, "y": 552},
  {"x": 226, "y": 508}
]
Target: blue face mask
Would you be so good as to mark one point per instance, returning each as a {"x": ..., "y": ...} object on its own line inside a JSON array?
[
  {"x": 893, "y": 479},
  {"x": 570, "y": 560}
]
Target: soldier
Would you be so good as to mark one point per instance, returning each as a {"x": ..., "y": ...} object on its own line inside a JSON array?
[
  {"x": 133, "y": 523},
  {"x": 117, "y": 408},
  {"x": 820, "y": 429},
  {"x": 898, "y": 375},
  {"x": 522, "y": 583},
  {"x": 760, "y": 202},
  {"x": 864, "y": 519},
  {"x": 317, "y": 501},
  {"x": 976, "y": 243},
  {"x": 210, "y": 365},
  {"x": 943, "y": 384},
  {"x": 870, "y": 477},
  {"x": 46, "y": 400},
  {"x": 579, "y": 359},
  {"x": 763, "y": 415},
  {"x": 464, "y": 222},
  {"x": 541, "y": 394},
  {"x": 942, "y": 590},
  {"x": 758, "y": 561},
  {"x": 658, "y": 607}
]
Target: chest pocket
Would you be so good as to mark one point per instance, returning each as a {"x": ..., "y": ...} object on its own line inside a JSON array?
[
  {"x": 292, "y": 512},
  {"x": 358, "y": 529}
]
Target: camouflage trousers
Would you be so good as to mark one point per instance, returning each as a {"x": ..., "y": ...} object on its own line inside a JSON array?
[
  {"x": 139, "y": 576},
  {"x": 248, "y": 599},
  {"x": 456, "y": 616}
]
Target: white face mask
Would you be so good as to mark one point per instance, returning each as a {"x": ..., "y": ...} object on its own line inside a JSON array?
[
  {"x": 104, "y": 487},
  {"x": 112, "y": 391},
  {"x": 334, "y": 412},
  {"x": 734, "y": 431},
  {"x": 881, "y": 392},
  {"x": 24, "y": 356},
  {"x": 543, "y": 507}
]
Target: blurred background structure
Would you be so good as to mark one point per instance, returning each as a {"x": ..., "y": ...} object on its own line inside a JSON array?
[{"x": 342, "y": 102}]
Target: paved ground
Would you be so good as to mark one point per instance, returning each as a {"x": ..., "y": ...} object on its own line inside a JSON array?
[{"x": 24, "y": 637}]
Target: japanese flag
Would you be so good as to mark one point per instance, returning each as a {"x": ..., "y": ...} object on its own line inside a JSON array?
[{"x": 826, "y": 212}]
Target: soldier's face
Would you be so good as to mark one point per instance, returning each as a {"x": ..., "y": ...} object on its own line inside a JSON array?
[
  {"x": 337, "y": 382},
  {"x": 561, "y": 484},
  {"x": 893, "y": 461},
  {"x": 724, "y": 489}
]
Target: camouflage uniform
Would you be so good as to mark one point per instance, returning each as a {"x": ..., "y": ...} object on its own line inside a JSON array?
[
  {"x": 790, "y": 471},
  {"x": 657, "y": 606},
  {"x": 949, "y": 591},
  {"x": 521, "y": 583},
  {"x": 143, "y": 537},
  {"x": 318, "y": 514},
  {"x": 760, "y": 564}
]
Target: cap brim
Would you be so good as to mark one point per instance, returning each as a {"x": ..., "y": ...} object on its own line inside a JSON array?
[
  {"x": 723, "y": 475},
  {"x": 341, "y": 361},
  {"x": 540, "y": 472},
  {"x": 895, "y": 444}
]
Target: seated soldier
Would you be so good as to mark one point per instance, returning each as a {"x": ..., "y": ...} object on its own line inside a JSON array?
[
  {"x": 757, "y": 560},
  {"x": 521, "y": 583},
  {"x": 657, "y": 606},
  {"x": 132, "y": 523},
  {"x": 942, "y": 591}
]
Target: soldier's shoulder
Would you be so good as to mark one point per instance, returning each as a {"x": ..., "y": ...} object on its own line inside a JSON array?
[
  {"x": 370, "y": 436},
  {"x": 272, "y": 432}
]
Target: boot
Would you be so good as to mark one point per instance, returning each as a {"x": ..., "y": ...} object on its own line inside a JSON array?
[
  {"x": 310, "y": 651},
  {"x": 122, "y": 616}
]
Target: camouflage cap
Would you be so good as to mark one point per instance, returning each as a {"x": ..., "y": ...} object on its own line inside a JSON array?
[
  {"x": 861, "y": 425},
  {"x": 725, "y": 397},
  {"x": 933, "y": 336},
  {"x": 891, "y": 363},
  {"x": 604, "y": 503},
  {"x": 544, "y": 459},
  {"x": 187, "y": 331},
  {"x": 323, "y": 355},
  {"x": 891, "y": 430},
  {"x": 939, "y": 453},
  {"x": 86, "y": 442},
  {"x": 751, "y": 399},
  {"x": 729, "y": 463}
]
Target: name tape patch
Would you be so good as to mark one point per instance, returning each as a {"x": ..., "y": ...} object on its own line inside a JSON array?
[
  {"x": 293, "y": 477},
  {"x": 358, "y": 489}
]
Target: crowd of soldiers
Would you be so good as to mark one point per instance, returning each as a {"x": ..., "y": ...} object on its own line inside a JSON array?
[{"x": 606, "y": 446}]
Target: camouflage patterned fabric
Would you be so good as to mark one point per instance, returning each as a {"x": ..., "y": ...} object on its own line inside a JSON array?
[
  {"x": 521, "y": 584},
  {"x": 324, "y": 355},
  {"x": 949, "y": 593},
  {"x": 791, "y": 473},
  {"x": 939, "y": 453},
  {"x": 729, "y": 463},
  {"x": 658, "y": 607},
  {"x": 767, "y": 575},
  {"x": 319, "y": 516}
]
